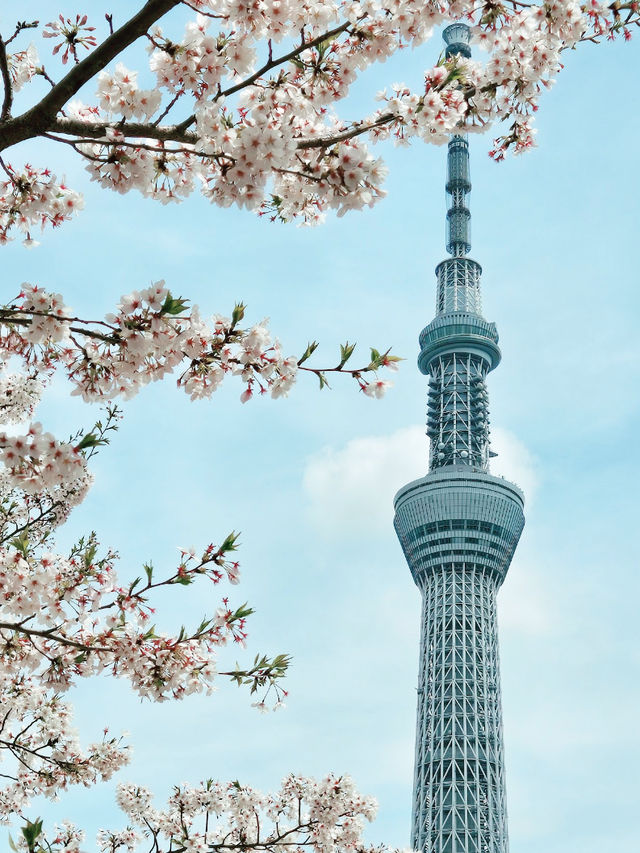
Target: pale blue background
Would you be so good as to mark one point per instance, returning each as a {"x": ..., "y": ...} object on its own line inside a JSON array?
[{"x": 556, "y": 233}]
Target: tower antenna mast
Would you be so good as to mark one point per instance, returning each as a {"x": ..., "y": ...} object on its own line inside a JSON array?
[{"x": 458, "y": 527}]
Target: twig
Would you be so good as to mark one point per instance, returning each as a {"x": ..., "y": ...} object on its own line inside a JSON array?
[
  {"x": 327, "y": 141},
  {"x": 6, "y": 79},
  {"x": 167, "y": 109},
  {"x": 272, "y": 63},
  {"x": 22, "y": 25},
  {"x": 49, "y": 635},
  {"x": 39, "y": 118}
]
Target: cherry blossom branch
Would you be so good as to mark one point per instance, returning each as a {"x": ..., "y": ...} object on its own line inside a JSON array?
[
  {"x": 38, "y": 119},
  {"x": 324, "y": 815},
  {"x": 20, "y": 26},
  {"x": 7, "y": 101},
  {"x": 50, "y": 634},
  {"x": 99, "y": 131},
  {"x": 87, "y": 131},
  {"x": 102, "y": 645},
  {"x": 357, "y": 130},
  {"x": 152, "y": 335},
  {"x": 280, "y": 148},
  {"x": 274, "y": 63}
]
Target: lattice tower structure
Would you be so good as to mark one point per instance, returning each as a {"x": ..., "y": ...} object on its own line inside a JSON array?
[{"x": 459, "y": 527}]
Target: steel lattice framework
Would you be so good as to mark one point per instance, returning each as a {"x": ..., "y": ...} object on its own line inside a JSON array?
[{"x": 459, "y": 527}]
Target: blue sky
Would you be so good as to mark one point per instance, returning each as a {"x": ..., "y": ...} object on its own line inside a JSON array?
[{"x": 310, "y": 480}]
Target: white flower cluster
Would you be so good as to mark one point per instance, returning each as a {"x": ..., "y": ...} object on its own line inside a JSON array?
[
  {"x": 47, "y": 313},
  {"x": 147, "y": 339},
  {"x": 39, "y": 736},
  {"x": 23, "y": 66},
  {"x": 19, "y": 395},
  {"x": 33, "y": 198},
  {"x": 262, "y": 131},
  {"x": 200, "y": 61},
  {"x": 328, "y": 814},
  {"x": 119, "y": 95},
  {"x": 376, "y": 389},
  {"x": 65, "y": 618},
  {"x": 37, "y": 462}
]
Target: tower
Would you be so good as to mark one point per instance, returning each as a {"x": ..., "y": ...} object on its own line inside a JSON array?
[{"x": 458, "y": 527}]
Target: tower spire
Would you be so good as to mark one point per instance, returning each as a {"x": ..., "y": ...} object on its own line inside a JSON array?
[
  {"x": 459, "y": 527},
  {"x": 459, "y": 347},
  {"x": 456, "y": 38}
]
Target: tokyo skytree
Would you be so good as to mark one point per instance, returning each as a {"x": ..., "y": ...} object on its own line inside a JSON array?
[{"x": 458, "y": 527}]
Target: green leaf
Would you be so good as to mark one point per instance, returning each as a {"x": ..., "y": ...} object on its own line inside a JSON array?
[
  {"x": 202, "y": 627},
  {"x": 173, "y": 306},
  {"x": 31, "y": 832},
  {"x": 229, "y": 543},
  {"x": 323, "y": 381},
  {"x": 346, "y": 351},
  {"x": 311, "y": 348},
  {"x": 241, "y": 613},
  {"x": 376, "y": 359},
  {"x": 89, "y": 554},
  {"x": 238, "y": 313},
  {"x": 281, "y": 661},
  {"x": 324, "y": 46},
  {"x": 89, "y": 440},
  {"x": 148, "y": 570},
  {"x": 21, "y": 544}
]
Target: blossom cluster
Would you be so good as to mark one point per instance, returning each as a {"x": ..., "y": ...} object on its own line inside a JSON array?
[
  {"x": 327, "y": 815},
  {"x": 23, "y": 65},
  {"x": 41, "y": 751},
  {"x": 19, "y": 395},
  {"x": 68, "y": 35},
  {"x": 34, "y": 197},
  {"x": 66, "y": 617},
  {"x": 150, "y": 336},
  {"x": 37, "y": 462},
  {"x": 261, "y": 84},
  {"x": 120, "y": 95},
  {"x": 76, "y": 604}
]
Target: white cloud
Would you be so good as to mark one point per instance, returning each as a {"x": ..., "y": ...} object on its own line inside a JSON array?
[
  {"x": 514, "y": 461},
  {"x": 524, "y": 604},
  {"x": 353, "y": 487}
]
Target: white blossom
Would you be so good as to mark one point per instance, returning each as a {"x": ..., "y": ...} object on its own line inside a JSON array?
[{"x": 256, "y": 88}]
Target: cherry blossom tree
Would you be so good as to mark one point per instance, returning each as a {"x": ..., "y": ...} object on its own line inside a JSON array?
[
  {"x": 241, "y": 98},
  {"x": 66, "y": 617}
]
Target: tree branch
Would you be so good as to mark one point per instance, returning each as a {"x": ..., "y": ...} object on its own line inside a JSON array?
[
  {"x": 273, "y": 63},
  {"x": 177, "y": 133},
  {"x": 6, "y": 79},
  {"x": 50, "y": 635},
  {"x": 358, "y": 130},
  {"x": 40, "y": 117},
  {"x": 98, "y": 130}
]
